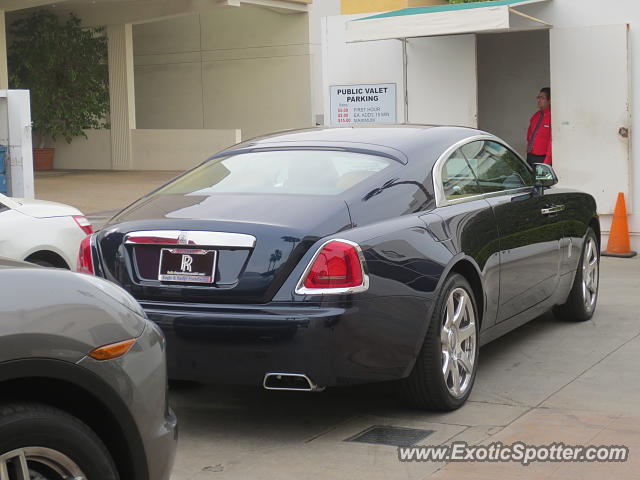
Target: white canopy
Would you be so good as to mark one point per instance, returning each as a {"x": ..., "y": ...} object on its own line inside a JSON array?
[{"x": 490, "y": 16}]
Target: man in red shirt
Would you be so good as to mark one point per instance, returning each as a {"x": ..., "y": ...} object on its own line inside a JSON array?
[{"x": 539, "y": 133}]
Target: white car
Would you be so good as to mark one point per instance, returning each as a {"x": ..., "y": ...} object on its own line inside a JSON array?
[{"x": 41, "y": 232}]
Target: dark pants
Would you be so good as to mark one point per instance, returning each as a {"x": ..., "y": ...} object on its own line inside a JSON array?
[{"x": 531, "y": 159}]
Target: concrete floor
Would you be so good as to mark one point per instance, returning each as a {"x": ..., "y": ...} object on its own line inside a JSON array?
[
  {"x": 98, "y": 194},
  {"x": 549, "y": 381}
]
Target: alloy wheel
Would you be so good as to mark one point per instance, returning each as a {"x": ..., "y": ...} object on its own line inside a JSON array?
[
  {"x": 38, "y": 463},
  {"x": 458, "y": 341},
  {"x": 590, "y": 277}
]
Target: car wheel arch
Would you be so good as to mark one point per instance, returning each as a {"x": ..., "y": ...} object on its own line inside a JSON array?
[
  {"x": 468, "y": 268},
  {"x": 593, "y": 224},
  {"x": 84, "y": 395},
  {"x": 48, "y": 256}
]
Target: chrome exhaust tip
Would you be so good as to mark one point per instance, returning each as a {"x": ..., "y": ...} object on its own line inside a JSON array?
[{"x": 297, "y": 382}]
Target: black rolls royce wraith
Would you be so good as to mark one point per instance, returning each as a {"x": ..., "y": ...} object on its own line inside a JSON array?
[{"x": 326, "y": 257}]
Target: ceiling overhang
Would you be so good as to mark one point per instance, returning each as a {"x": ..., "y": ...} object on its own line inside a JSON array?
[
  {"x": 108, "y": 12},
  {"x": 482, "y": 17}
]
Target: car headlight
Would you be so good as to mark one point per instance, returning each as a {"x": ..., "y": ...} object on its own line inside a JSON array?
[{"x": 117, "y": 293}]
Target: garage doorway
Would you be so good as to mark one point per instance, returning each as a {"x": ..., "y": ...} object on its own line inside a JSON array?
[
  {"x": 487, "y": 81},
  {"x": 512, "y": 68}
]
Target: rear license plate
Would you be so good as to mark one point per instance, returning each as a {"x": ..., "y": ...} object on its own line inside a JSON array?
[{"x": 187, "y": 265}]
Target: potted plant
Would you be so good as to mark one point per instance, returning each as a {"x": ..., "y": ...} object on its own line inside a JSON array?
[{"x": 65, "y": 67}]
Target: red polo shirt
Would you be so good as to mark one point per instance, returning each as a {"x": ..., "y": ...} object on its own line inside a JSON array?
[{"x": 539, "y": 134}]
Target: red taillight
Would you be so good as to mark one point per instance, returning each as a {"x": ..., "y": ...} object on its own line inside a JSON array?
[
  {"x": 83, "y": 223},
  {"x": 337, "y": 265},
  {"x": 85, "y": 257}
]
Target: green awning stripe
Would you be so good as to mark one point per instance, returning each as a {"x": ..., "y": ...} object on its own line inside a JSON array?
[{"x": 443, "y": 8}]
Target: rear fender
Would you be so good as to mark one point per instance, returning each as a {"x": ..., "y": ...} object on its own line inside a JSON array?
[
  {"x": 405, "y": 263},
  {"x": 402, "y": 258}
]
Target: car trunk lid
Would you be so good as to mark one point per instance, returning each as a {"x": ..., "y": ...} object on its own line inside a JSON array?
[{"x": 253, "y": 243}]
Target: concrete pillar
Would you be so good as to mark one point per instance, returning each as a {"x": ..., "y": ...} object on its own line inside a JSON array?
[
  {"x": 4, "y": 75},
  {"x": 121, "y": 87}
]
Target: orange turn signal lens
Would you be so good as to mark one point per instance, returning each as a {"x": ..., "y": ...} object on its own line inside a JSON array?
[{"x": 115, "y": 350}]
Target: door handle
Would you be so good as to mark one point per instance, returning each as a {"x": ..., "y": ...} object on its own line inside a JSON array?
[{"x": 552, "y": 209}]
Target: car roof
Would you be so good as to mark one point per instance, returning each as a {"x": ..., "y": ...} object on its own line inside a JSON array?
[{"x": 410, "y": 140}]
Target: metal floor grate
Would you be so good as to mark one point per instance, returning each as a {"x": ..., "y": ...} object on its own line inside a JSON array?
[{"x": 387, "y": 435}]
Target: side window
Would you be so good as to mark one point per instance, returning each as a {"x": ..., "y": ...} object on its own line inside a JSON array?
[
  {"x": 458, "y": 179},
  {"x": 496, "y": 167}
]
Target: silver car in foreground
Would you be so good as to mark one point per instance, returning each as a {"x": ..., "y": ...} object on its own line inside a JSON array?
[{"x": 83, "y": 386}]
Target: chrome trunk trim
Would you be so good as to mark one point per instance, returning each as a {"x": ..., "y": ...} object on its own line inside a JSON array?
[{"x": 190, "y": 237}]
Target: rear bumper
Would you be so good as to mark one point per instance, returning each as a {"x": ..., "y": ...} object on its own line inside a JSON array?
[{"x": 344, "y": 343}]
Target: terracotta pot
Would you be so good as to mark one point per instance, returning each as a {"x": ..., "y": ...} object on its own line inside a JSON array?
[{"x": 43, "y": 158}]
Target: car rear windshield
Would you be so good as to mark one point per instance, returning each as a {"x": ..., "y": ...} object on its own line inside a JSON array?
[{"x": 302, "y": 172}]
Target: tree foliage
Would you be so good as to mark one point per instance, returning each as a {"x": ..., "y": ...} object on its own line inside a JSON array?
[{"x": 65, "y": 67}]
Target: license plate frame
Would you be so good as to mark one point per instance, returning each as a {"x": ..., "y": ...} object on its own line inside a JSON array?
[{"x": 177, "y": 265}]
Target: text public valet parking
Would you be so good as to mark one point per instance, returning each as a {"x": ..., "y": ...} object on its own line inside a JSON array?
[{"x": 369, "y": 94}]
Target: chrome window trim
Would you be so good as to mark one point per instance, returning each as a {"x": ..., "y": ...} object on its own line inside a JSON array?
[
  {"x": 441, "y": 199},
  {"x": 191, "y": 237},
  {"x": 302, "y": 290},
  {"x": 488, "y": 195}
]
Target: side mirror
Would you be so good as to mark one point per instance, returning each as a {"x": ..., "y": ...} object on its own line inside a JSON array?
[{"x": 545, "y": 176}]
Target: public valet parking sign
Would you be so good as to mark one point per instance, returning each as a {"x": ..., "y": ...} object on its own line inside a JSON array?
[{"x": 363, "y": 104}]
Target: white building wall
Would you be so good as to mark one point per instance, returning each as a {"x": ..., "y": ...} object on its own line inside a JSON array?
[
  {"x": 442, "y": 96},
  {"x": 318, "y": 10},
  {"x": 354, "y": 63},
  {"x": 163, "y": 149},
  {"x": 577, "y": 13},
  {"x": 178, "y": 149},
  {"x": 91, "y": 153},
  {"x": 236, "y": 67}
]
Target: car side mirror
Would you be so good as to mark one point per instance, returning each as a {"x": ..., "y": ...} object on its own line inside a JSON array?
[{"x": 545, "y": 176}]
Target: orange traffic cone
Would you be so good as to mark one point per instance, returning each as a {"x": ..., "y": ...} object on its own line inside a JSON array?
[{"x": 619, "y": 244}]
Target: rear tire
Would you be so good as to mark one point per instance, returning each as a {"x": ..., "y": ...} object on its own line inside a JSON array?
[
  {"x": 445, "y": 370},
  {"x": 54, "y": 444},
  {"x": 582, "y": 300}
]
